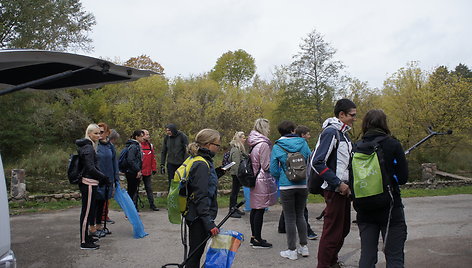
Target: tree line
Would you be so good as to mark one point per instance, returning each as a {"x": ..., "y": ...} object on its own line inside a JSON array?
[{"x": 229, "y": 97}]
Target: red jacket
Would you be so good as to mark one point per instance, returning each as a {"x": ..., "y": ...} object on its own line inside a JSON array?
[{"x": 149, "y": 159}]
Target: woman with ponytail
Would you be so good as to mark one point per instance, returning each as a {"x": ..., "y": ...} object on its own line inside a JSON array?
[{"x": 202, "y": 192}]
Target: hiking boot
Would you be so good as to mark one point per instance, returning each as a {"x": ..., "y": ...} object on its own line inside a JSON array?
[
  {"x": 303, "y": 250},
  {"x": 154, "y": 208},
  {"x": 289, "y": 254},
  {"x": 312, "y": 235},
  {"x": 235, "y": 215},
  {"x": 261, "y": 244},
  {"x": 89, "y": 245}
]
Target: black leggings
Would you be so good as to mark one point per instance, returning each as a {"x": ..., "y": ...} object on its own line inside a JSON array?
[
  {"x": 256, "y": 219},
  {"x": 236, "y": 186},
  {"x": 87, "y": 214},
  {"x": 133, "y": 183}
]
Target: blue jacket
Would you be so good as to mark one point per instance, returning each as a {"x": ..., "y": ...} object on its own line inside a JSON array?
[
  {"x": 108, "y": 164},
  {"x": 278, "y": 158}
]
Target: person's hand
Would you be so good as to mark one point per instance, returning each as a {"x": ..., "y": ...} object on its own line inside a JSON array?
[
  {"x": 344, "y": 189},
  {"x": 139, "y": 175},
  {"x": 163, "y": 169},
  {"x": 220, "y": 172},
  {"x": 154, "y": 172},
  {"x": 214, "y": 231}
]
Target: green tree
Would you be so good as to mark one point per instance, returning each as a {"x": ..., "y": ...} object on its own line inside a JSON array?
[
  {"x": 234, "y": 68},
  {"x": 45, "y": 24},
  {"x": 315, "y": 75}
]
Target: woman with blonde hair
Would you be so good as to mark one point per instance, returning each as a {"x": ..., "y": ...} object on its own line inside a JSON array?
[
  {"x": 264, "y": 193},
  {"x": 202, "y": 192},
  {"x": 237, "y": 150},
  {"x": 91, "y": 178}
]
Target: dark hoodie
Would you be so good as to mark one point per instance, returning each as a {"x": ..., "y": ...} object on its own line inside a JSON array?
[
  {"x": 174, "y": 148},
  {"x": 89, "y": 160}
]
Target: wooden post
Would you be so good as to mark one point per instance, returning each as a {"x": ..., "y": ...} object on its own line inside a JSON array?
[
  {"x": 18, "y": 184},
  {"x": 428, "y": 171}
]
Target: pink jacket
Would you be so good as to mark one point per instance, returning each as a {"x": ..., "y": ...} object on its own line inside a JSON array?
[{"x": 264, "y": 193}]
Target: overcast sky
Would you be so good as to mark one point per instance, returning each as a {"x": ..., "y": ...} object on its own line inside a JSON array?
[{"x": 373, "y": 38}]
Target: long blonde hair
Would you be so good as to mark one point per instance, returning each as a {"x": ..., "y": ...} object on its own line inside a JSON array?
[
  {"x": 203, "y": 137},
  {"x": 237, "y": 141},
  {"x": 262, "y": 126},
  {"x": 89, "y": 129}
]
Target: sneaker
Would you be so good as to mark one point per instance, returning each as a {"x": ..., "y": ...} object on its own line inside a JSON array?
[
  {"x": 106, "y": 231},
  {"x": 89, "y": 245},
  {"x": 262, "y": 244},
  {"x": 154, "y": 208},
  {"x": 242, "y": 213},
  {"x": 312, "y": 235},
  {"x": 110, "y": 221},
  {"x": 303, "y": 250},
  {"x": 251, "y": 242},
  {"x": 289, "y": 254},
  {"x": 98, "y": 233},
  {"x": 235, "y": 215}
]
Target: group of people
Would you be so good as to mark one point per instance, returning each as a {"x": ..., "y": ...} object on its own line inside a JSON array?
[
  {"x": 101, "y": 169},
  {"x": 330, "y": 159}
]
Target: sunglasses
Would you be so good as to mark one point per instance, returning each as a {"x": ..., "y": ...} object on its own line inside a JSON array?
[{"x": 217, "y": 145}]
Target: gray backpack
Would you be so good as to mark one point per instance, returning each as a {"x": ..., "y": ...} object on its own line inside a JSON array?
[{"x": 296, "y": 166}]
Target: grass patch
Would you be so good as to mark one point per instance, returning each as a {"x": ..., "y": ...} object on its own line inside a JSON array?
[{"x": 24, "y": 207}]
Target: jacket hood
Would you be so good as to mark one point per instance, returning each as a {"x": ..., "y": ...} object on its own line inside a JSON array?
[
  {"x": 173, "y": 129},
  {"x": 83, "y": 142},
  {"x": 291, "y": 144},
  {"x": 256, "y": 137},
  {"x": 131, "y": 141},
  {"x": 334, "y": 121}
]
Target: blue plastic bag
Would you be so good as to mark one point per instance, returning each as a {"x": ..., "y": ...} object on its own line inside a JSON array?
[
  {"x": 223, "y": 248},
  {"x": 125, "y": 202}
]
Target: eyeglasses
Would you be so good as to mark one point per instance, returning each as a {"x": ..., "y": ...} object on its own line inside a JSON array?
[
  {"x": 217, "y": 145},
  {"x": 353, "y": 115}
]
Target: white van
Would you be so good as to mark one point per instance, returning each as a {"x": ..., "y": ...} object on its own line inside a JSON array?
[{"x": 19, "y": 70}]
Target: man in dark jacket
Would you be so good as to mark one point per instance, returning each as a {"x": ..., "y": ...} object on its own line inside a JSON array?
[
  {"x": 174, "y": 150},
  {"x": 331, "y": 162}
]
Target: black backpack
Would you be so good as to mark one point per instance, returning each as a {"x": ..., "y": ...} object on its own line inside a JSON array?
[
  {"x": 314, "y": 180},
  {"x": 122, "y": 162},
  {"x": 226, "y": 158},
  {"x": 74, "y": 169},
  {"x": 370, "y": 184},
  {"x": 246, "y": 174}
]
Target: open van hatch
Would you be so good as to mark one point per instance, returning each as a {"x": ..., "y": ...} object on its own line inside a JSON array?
[{"x": 39, "y": 69}]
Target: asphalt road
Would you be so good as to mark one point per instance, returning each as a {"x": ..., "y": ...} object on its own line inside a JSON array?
[{"x": 439, "y": 235}]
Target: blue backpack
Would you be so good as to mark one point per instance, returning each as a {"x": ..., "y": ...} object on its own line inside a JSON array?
[{"x": 122, "y": 162}]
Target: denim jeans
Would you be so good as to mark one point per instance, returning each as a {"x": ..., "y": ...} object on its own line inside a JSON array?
[{"x": 293, "y": 205}]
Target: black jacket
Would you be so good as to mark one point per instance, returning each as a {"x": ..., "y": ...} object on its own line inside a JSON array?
[
  {"x": 202, "y": 187},
  {"x": 174, "y": 148},
  {"x": 134, "y": 158},
  {"x": 89, "y": 161},
  {"x": 393, "y": 153}
]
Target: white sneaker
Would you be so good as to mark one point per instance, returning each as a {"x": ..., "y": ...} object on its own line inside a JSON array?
[
  {"x": 289, "y": 254},
  {"x": 303, "y": 250}
]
